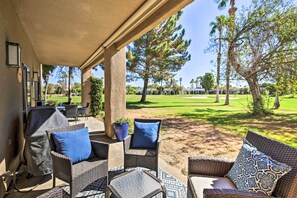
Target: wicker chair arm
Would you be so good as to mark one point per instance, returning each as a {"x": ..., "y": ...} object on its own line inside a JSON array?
[
  {"x": 62, "y": 165},
  {"x": 231, "y": 193},
  {"x": 101, "y": 149},
  {"x": 208, "y": 166},
  {"x": 127, "y": 142},
  {"x": 159, "y": 143}
]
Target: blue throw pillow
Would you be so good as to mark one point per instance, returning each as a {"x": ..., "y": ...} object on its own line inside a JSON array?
[
  {"x": 256, "y": 171},
  {"x": 145, "y": 135},
  {"x": 74, "y": 144}
]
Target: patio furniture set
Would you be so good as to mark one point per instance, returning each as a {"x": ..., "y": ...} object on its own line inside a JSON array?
[
  {"x": 263, "y": 168},
  {"x": 74, "y": 111},
  {"x": 80, "y": 173}
]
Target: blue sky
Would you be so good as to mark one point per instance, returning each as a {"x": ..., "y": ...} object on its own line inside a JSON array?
[{"x": 195, "y": 19}]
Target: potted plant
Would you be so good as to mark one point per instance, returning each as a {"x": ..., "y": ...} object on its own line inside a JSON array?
[{"x": 121, "y": 128}]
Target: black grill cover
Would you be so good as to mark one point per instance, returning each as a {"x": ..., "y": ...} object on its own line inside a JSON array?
[{"x": 37, "y": 148}]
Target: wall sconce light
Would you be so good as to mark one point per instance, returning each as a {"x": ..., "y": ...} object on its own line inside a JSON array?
[
  {"x": 13, "y": 54},
  {"x": 35, "y": 76}
]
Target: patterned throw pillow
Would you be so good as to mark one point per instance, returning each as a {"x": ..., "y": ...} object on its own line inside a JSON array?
[{"x": 256, "y": 171}]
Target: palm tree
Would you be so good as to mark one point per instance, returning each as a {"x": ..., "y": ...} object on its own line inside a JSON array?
[
  {"x": 47, "y": 71},
  {"x": 61, "y": 72},
  {"x": 218, "y": 25},
  {"x": 232, "y": 10},
  {"x": 180, "y": 84},
  {"x": 192, "y": 83}
]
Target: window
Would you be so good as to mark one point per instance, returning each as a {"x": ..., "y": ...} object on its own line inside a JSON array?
[{"x": 26, "y": 88}]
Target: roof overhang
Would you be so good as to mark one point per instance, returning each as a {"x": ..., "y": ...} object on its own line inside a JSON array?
[{"x": 76, "y": 32}]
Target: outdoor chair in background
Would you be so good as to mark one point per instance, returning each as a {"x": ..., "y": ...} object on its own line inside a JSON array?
[
  {"x": 71, "y": 111},
  {"x": 65, "y": 103},
  {"x": 206, "y": 175},
  {"x": 83, "y": 173},
  {"x": 84, "y": 111},
  {"x": 142, "y": 157}
]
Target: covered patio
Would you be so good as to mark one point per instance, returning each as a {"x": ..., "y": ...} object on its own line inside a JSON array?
[
  {"x": 42, "y": 184},
  {"x": 77, "y": 34}
]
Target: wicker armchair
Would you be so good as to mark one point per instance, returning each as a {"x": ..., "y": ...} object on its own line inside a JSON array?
[
  {"x": 213, "y": 170},
  {"x": 71, "y": 111},
  {"x": 147, "y": 158},
  {"x": 84, "y": 111},
  {"x": 81, "y": 174}
]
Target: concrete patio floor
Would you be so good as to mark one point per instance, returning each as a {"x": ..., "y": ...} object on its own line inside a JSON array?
[{"x": 96, "y": 129}]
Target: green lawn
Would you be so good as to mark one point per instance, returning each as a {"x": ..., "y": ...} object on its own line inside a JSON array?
[
  {"x": 61, "y": 98},
  {"x": 233, "y": 119}
]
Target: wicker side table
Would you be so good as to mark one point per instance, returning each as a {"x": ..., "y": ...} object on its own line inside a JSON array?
[{"x": 135, "y": 184}]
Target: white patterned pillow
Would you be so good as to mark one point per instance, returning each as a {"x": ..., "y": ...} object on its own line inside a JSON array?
[{"x": 256, "y": 171}]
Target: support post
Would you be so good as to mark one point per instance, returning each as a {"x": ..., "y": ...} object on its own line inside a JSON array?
[
  {"x": 86, "y": 74},
  {"x": 114, "y": 86}
]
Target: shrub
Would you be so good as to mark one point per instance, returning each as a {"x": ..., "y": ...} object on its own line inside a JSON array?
[
  {"x": 96, "y": 95},
  {"x": 52, "y": 102}
]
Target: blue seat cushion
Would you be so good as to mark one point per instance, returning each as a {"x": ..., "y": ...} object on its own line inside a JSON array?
[
  {"x": 145, "y": 135},
  {"x": 74, "y": 144}
]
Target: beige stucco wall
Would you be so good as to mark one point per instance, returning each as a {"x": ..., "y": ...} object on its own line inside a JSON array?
[{"x": 11, "y": 106}]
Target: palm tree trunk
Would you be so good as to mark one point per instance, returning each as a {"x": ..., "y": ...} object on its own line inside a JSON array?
[
  {"x": 219, "y": 66},
  {"x": 231, "y": 11},
  {"x": 69, "y": 84},
  {"x": 45, "y": 93},
  {"x": 228, "y": 71}
]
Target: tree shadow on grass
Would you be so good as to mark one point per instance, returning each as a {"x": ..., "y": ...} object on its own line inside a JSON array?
[
  {"x": 151, "y": 105},
  {"x": 138, "y": 104},
  {"x": 281, "y": 126},
  {"x": 198, "y": 101}
]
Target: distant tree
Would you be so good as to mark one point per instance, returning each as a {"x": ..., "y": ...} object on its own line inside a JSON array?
[
  {"x": 130, "y": 89},
  {"x": 192, "y": 83},
  {"x": 62, "y": 71},
  {"x": 207, "y": 82},
  {"x": 58, "y": 89},
  {"x": 76, "y": 88},
  {"x": 160, "y": 52},
  {"x": 51, "y": 88},
  {"x": 268, "y": 87},
  {"x": 172, "y": 84},
  {"x": 180, "y": 84},
  {"x": 218, "y": 25},
  {"x": 63, "y": 79},
  {"x": 47, "y": 71}
]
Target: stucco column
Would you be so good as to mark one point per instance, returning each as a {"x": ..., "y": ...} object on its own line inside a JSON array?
[
  {"x": 86, "y": 74},
  {"x": 40, "y": 82},
  {"x": 114, "y": 86}
]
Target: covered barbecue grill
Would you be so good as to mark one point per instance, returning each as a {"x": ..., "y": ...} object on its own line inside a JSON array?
[{"x": 37, "y": 149}]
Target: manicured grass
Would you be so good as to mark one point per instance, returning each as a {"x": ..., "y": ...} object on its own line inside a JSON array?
[
  {"x": 62, "y": 98},
  {"x": 235, "y": 119}
]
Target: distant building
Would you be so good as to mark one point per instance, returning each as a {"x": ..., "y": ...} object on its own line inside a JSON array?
[{"x": 189, "y": 90}]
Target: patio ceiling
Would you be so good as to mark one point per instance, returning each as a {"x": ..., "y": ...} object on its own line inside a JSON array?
[{"x": 75, "y": 32}]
